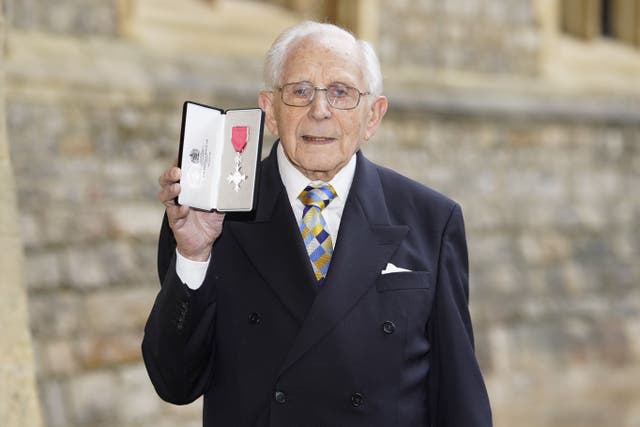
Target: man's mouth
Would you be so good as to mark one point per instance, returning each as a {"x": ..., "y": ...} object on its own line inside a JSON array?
[{"x": 317, "y": 139}]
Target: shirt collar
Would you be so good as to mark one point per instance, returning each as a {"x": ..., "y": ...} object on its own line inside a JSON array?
[{"x": 294, "y": 181}]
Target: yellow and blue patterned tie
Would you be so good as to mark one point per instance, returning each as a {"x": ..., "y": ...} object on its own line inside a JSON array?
[{"x": 315, "y": 197}]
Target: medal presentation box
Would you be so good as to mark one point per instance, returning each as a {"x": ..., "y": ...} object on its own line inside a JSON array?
[{"x": 219, "y": 157}]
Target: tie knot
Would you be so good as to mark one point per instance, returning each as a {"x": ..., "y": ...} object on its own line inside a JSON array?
[{"x": 318, "y": 194}]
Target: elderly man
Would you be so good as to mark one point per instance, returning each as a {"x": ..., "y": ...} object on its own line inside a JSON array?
[{"x": 342, "y": 300}]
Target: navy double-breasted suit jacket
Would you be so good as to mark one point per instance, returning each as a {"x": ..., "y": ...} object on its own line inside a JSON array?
[{"x": 266, "y": 348}]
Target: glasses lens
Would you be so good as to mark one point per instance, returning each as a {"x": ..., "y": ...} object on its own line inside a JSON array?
[
  {"x": 297, "y": 94},
  {"x": 343, "y": 97}
]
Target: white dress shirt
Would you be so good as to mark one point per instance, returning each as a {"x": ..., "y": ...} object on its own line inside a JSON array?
[{"x": 192, "y": 273}]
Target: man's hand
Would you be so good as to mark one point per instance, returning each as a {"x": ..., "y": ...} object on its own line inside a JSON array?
[{"x": 194, "y": 230}]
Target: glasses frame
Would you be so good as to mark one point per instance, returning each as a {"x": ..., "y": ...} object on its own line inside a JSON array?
[{"x": 325, "y": 89}]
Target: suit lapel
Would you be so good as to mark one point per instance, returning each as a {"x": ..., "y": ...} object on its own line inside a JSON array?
[
  {"x": 272, "y": 243},
  {"x": 366, "y": 242}
]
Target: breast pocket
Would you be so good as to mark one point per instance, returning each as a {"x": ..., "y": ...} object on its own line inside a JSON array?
[{"x": 406, "y": 280}]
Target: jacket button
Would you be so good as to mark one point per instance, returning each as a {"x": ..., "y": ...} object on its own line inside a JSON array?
[
  {"x": 254, "y": 319},
  {"x": 280, "y": 396},
  {"x": 388, "y": 327},
  {"x": 356, "y": 400}
]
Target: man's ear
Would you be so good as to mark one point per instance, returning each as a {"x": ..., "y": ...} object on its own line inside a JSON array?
[
  {"x": 375, "y": 114},
  {"x": 265, "y": 101}
]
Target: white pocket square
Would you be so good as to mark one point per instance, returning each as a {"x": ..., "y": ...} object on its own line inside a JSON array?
[{"x": 390, "y": 268}]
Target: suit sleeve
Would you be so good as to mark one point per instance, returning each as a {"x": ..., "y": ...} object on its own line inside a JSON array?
[
  {"x": 178, "y": 343},
  {"x": 458, "y": 397}
]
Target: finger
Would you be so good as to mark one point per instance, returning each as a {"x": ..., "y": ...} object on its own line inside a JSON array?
[
  {"x": 169, "y": 176},
  {"x": 167, "y": 194}
]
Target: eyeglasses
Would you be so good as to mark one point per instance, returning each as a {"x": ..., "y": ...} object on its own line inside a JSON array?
[{"x": 301, "y": 94}]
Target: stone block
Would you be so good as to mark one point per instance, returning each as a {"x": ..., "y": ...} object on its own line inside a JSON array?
[
  {"x": 43, "y": 270},
  {"x": 103, "y": 351},
  {"x": 56, "y": 315},
  {"x": 97, "y": 266},
  {"x": 93, "y": 398},
  {"x": 188, "y": 412},
  {"x": 137, "y": 398},
  {"x": 140, "y": 220},
  {"x": 30, "y": 230},
  {"x": 54, "y": 400},
  {"x": 538, "y": 249},
  {"x": 632, "y": 326},
  {"x": 57, "y": 358},
  {"x": 147, "y": 260},
  {"x": 86, "y": 268},
  {"x": 55, "y": 220},
  {"x": 120, "y": 309}
]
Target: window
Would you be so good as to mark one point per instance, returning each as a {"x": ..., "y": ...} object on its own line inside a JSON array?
[{"x": 589, "y": 19}]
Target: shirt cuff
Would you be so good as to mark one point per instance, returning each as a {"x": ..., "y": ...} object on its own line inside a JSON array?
[{"x": 192, "y": 273}]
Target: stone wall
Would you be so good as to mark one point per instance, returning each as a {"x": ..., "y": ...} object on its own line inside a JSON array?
[
  {"x": 479, "y": 36},
  {"x": 553, "y": 222},
  {"x": 74, "y": 17},
  {"x": 89, "y": 139},
  {"x": 546, "y": 178}
]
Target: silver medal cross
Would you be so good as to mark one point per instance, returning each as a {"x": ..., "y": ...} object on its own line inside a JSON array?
[
  {"x": 237, "y": 176},
  {"x": 239, "y": 139}
]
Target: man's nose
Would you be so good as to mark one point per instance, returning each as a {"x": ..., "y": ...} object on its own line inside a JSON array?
[{"x": 320, "y": 108}]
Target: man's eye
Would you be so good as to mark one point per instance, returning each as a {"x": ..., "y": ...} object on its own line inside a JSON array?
[
  {"x": 301, "y": 91},
  {"x": 339, "y": 91}
]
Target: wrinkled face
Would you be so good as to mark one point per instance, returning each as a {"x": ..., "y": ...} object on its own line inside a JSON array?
[{"x": 318, "y": 139}]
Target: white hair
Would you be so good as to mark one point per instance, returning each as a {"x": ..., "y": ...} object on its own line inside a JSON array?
[{"x": 277, "y": 54}]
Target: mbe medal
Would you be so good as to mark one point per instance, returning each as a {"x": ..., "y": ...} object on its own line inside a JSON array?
[{"x": 239, "y": 138}]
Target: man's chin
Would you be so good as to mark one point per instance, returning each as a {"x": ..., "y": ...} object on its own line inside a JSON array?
[{"x": 322, "y": 171}]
